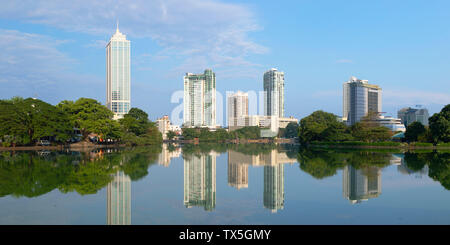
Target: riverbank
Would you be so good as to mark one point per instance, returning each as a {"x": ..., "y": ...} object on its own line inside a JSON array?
[
  {"x": 379, "y": 145},
  {"x": 76, "y": 147},
  {"x": 236, "y": 141}
]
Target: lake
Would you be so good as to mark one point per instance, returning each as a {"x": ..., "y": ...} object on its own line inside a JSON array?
[{"x": 225, "y": 184}]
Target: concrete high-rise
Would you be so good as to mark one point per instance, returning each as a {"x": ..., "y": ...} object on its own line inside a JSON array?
[
  {"x": 237, "y": 107},
  {"x": 274, "y": 93},
  {"x": 118, "y": 74},
  {"x": 360, "y": 98},
  {"x": 200, "y": 99}
]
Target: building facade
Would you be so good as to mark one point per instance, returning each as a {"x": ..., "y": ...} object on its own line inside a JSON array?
[
  {"x": 409, "y": 115},
  {"x": 394, "y": 124},
  {"x": 360, "y": 98},
  {"x": 200, "y": 99},
  {"x": 274, "y": 93},
  {"x": 237, "y": 107},
  {"x": 118, "y": 78}
]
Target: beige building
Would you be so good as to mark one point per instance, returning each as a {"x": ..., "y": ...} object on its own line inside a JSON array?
[
  {"x": 164, "y": 126},
  {"x": 237, "y": 107}
]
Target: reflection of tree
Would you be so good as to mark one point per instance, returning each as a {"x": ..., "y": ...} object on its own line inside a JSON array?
[
  {"x": 29, "y": 174},
  {"x": 414, "y": 161},
  {"x": 322, "y": 163},
  {"x": 440, "y": 168}
]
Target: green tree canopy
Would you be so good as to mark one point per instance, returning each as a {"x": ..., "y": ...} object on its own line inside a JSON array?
[
  {"x": 413, "y": 131},
  {"x": 90, "y": 116},
  {"x": 440, "y": 125},
  {"x": 28, "y": 120}
]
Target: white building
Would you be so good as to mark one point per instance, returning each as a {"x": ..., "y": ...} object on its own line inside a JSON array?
[
  {"x": 274, "y": 93},
  {"x": 237, "y": 107},
  {"x": 200, "y": 99},
  {"x": 118, "y": 74},
  {"x": 394, "y": 124},
  {"x": 360, "y": 97}
]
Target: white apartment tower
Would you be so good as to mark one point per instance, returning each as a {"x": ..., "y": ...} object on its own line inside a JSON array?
[
  {"x": 118, "y": 74},
  {"x": 200, "y": 99},
  {"x": 359, "y": 97},
  {"x": 237, "y": 107},
  {"x": 274, "y": 93}
]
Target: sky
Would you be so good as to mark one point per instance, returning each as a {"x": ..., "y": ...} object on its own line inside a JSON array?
[{"x": 55, "y": 50}]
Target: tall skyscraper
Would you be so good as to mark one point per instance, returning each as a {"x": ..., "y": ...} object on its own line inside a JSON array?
[
  {"x": 361, "y": 184},
  {"x": 118, "y": 74},
  {"x": 409, "y": 115},
  {"x": 119, "y": 200},
  {"x": 274, "y": 93},
  {"x": 237, "y": 107},
  {"x": 360, "y": 97},
  {"x": 200, "y": 99},
  {"x": 200, "y": 180}
]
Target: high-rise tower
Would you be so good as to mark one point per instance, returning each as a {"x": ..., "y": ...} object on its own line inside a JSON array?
[
  {"x": 360, "y": 98},
  {"x": 118, "y": 74},
  {"x": 274, "y": 93},
  {"x": 200, "y": 99}
]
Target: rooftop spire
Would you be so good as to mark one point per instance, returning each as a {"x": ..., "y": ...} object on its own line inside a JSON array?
[{"x": 117, "y": 24}]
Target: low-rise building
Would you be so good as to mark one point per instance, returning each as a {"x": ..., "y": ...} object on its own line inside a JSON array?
[
  {"x": 394, "y": 124},
  {"x": 164, "y": 126}
]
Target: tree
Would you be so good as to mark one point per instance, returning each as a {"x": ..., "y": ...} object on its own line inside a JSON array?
[
  {"x": 314, "y": 126},
  {"x": 440, "y": 125},
  {"x": 413, "y": 131},
  {"x": 291, "y": 130},
  {"x": 86, "y": 114},
  {"x": 135, "y": 121},
  {"x": 171, "y": 134},
  {"x": 28, "y": 120}
]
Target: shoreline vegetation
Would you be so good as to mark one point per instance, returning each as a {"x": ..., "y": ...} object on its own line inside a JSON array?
[{"x": 32, "y": 124}]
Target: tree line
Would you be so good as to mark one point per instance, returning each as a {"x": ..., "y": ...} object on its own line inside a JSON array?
[
  {"x": 322, "y": 126},
  {"x": 25, "y": 121}
]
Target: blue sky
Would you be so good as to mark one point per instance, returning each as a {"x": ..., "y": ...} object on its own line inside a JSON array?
[{"x": 55, "y": 50}]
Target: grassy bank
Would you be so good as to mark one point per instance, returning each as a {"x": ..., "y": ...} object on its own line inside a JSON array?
[{"x": 382, "y": 145}]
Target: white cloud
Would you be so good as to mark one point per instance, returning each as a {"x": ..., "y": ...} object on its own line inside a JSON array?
[{"x": 207, "y": 32}]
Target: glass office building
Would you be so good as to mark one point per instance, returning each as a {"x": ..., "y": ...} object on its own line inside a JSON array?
[
  {"x": 360, "y": 97},
  {"x": 118, "y": 74}
]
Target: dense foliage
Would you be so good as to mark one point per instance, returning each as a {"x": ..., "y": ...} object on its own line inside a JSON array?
[
  {"x": 440, "y": 125},
  {"x": 25, "y": 121}
]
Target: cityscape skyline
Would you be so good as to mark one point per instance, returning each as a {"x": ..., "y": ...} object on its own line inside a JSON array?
[{"x": 74, "y": 50}]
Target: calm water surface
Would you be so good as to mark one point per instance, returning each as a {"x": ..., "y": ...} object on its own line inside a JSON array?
[{"x": 224, "y": 184}]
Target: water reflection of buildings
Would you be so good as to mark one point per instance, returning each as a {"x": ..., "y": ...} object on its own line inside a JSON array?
[
  {"x": 361, "y": 184},
  {"x": 273, "y": 174},
  {"x": 119, "y": 200},
  {"x": 166, "y": 156},
  {"x": 200, "y": 180}
]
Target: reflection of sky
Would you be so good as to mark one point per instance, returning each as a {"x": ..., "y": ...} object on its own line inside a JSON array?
[{"x": 158, "y": 199}]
